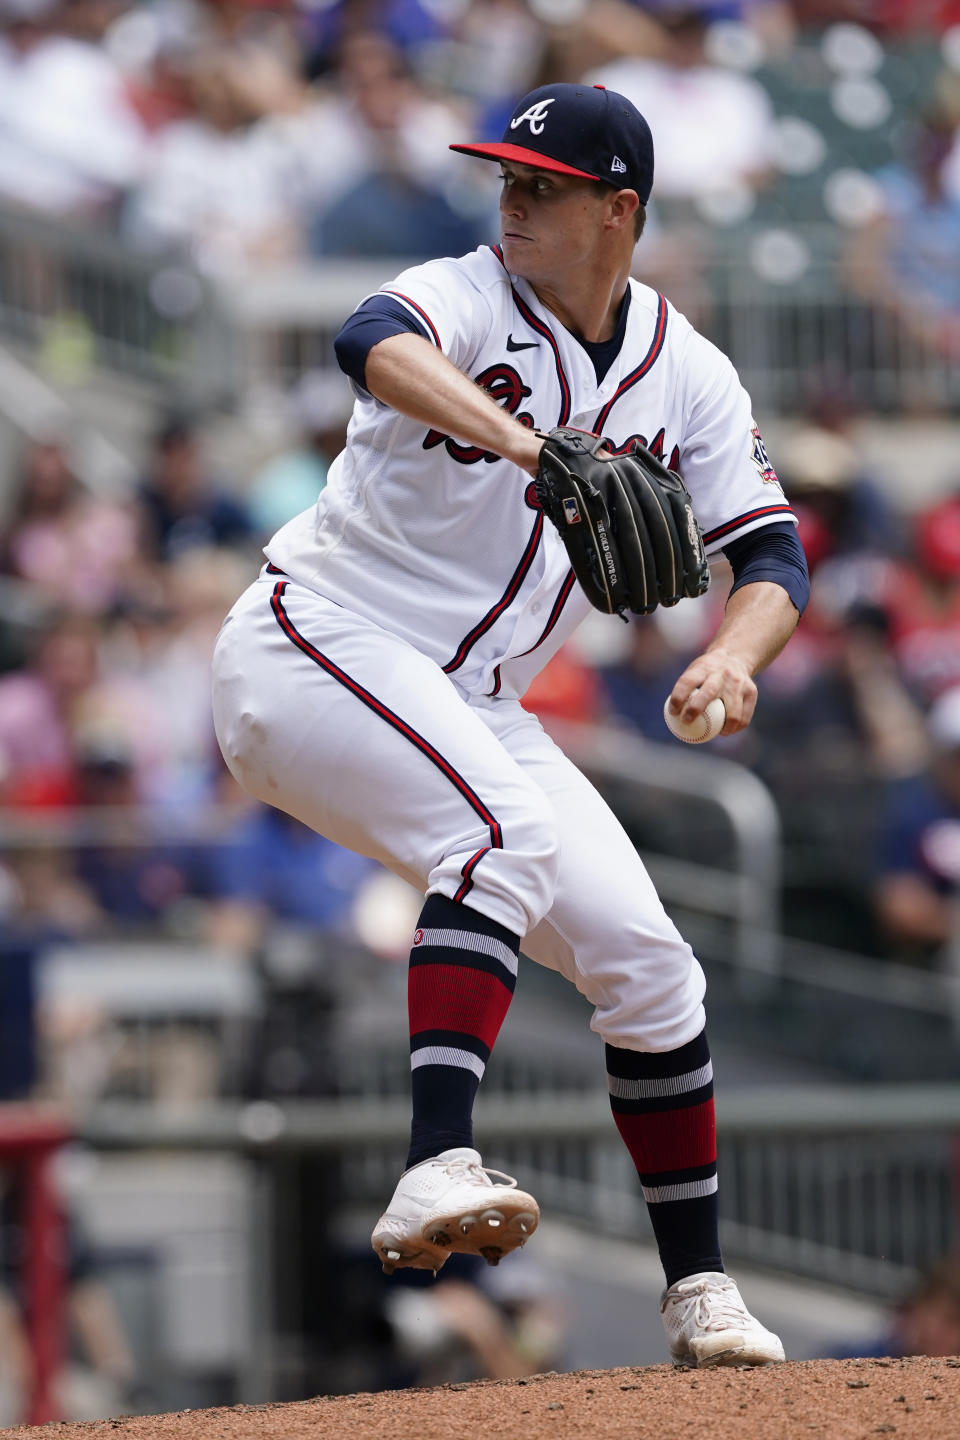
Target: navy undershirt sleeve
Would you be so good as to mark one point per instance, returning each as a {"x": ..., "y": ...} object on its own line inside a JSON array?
[
  {"x": 370, "y": 323},
  {"x": 771, "y": 553}
]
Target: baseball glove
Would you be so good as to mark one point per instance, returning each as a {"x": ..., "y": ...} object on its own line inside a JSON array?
[{"x": 626, "y": 520}]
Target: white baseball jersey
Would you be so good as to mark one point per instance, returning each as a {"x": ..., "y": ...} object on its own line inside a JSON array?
[{"x": 444, "y": 545}]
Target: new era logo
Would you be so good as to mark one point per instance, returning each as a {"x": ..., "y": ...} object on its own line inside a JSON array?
[{"x": 617, "y": 166}]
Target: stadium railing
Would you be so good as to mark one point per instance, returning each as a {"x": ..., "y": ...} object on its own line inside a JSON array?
[
  {"x": 745, "y": 891},
  {"x": 774, "y": 295},
  {"x": 850, "y": 1182},
  {"x": 854, "y": 1185},
  {"x": 82, "y": 300}
]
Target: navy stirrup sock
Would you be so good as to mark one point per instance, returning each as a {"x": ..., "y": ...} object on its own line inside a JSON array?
[
  {"x": 663, "y": 1108},
  {"x": 463, "y": 968}
]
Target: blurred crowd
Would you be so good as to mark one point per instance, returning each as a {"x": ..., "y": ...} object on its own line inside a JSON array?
[
  {"x": 232, "y": 134},
  {"x": 236, "y": 132},
  {"x": 113, "y": 604},
  {"x": 857, "y": 729},
  {"x": 106, "y": 738}
]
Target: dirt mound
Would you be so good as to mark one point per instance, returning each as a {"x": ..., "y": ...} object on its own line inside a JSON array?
[{"x": 915, "y": 1399}]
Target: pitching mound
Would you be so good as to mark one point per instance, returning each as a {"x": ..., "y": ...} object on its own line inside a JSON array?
[{"x": 916, "y": 1399}]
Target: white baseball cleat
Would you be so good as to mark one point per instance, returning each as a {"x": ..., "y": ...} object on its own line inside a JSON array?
[
  {"x": 451, "y": 1203},
  {"x": 708, "y": 1324}
]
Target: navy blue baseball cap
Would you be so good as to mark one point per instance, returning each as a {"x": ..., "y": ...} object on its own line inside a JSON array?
[{"x": 583, "y": 130}]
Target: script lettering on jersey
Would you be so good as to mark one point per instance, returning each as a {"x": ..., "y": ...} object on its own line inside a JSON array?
[
  {"x": 502, "y": 384},
  {"x": 655, "y": 446}
]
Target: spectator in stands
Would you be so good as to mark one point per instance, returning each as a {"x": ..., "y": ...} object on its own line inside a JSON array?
[
  {"x": 711, "y": 126},
  {"x": 182, "y": 507},
  {"x": 881, "y": 635},
  {"x": 215, "y": 185},
  {"x": 290, "y": 481},
  {"x": 904, "y": 259},
  {"x": 950, "y": 98},
  {"x": 581, "y": 37},
  {"x": 922, "y": 603},
  {"x": 890, "y": 17},
  {"x": 37, "y": 707},
  {"x": 152, "y": 45},
  {"x": 267, "y": 37},
  {"x": 277, "y": 871},
  {"x": 86, "y": 686},
  {"x": 158, "y": 661},
  {"x": 828, "y": 481},
  {"x": 133, "y": 879},
  {"x": 849, "y": 533},
  {"x": 917, "y": 878},
  {"x": 839, "y": 714},
  {"x": 836, "y": 722},
  {"x": 495, "y": 53},
  {"x": 18, "y": 947},
  {"x": 78, "y": 548},
  {"x": 591, "y": 34},
  {"x": 926, "y": 1321},
  {"x": 634, "y": 688},
  {"x": 567, "y": 688},
  {"x": 137, "y": 759},
  {"x": 409, "y": 26},
  {"x": 70, "y": 140},
  {"x": 374, "y": 162},
  {"x": 157, "y": 44},
  {"x": 477, "y": 1323}
]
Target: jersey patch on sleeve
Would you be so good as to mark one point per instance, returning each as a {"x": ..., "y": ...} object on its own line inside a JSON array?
[{"x": 760, "y": 457}]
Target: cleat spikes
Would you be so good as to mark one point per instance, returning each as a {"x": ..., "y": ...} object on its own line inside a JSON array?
[{"x": 452, "y": 1203}]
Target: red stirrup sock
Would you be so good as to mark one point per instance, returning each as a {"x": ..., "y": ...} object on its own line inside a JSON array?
[
  {"x": 663, "y": 1108},
  {"x": 463, "y": 968}
]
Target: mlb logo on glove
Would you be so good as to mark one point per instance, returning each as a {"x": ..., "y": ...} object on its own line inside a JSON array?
[{"x": 628, "y": 526}]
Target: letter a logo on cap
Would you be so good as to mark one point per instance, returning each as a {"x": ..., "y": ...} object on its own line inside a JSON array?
[{"x": 534, "y": 117}]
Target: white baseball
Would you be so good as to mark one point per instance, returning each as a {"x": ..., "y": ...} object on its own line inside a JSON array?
[{"x": 705, "y": 727}]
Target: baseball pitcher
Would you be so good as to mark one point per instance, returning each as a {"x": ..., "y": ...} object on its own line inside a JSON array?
[{"x": 534, "y": 433}]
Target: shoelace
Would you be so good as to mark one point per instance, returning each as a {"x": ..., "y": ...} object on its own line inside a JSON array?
[
  {"x": 715, "y": 1309},
  {"x": 463, "y": 1169}
]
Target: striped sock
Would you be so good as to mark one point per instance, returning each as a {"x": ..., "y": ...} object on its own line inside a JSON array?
[
  {"x": 663, "y": 1108},
  {"x": 463, "y": 968}
]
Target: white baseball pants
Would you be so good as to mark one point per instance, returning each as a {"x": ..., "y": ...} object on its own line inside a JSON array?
[{"x": 357, "y": 734}]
